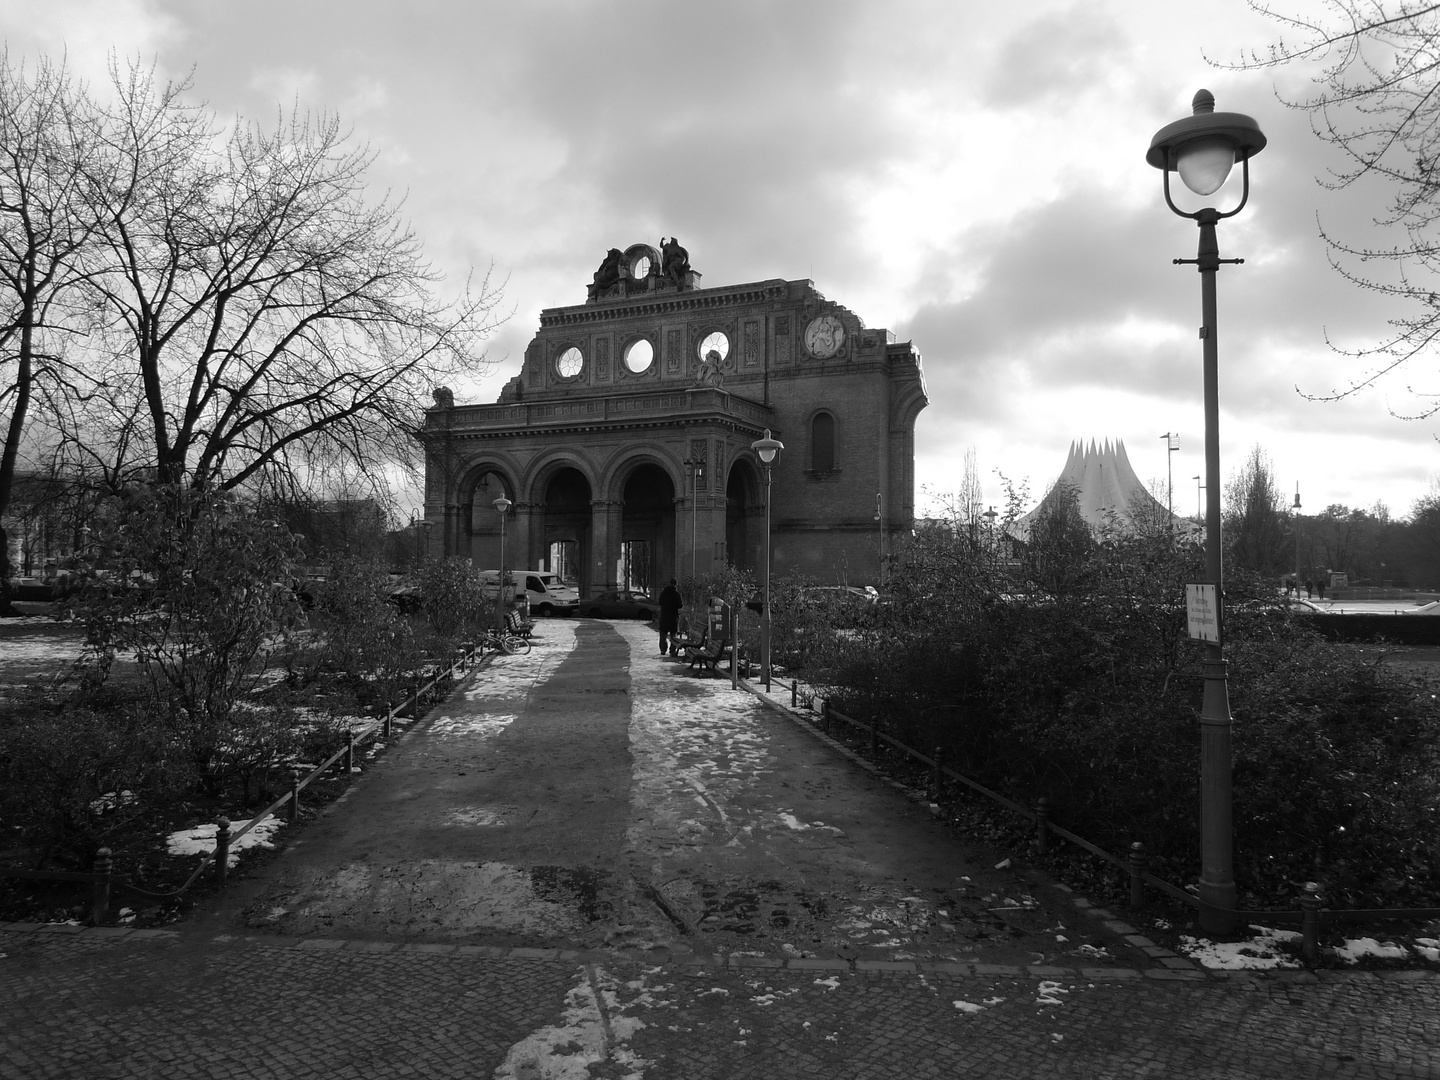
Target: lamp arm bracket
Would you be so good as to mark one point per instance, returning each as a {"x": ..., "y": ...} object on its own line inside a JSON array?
[{"x": 1193, "y": 262}]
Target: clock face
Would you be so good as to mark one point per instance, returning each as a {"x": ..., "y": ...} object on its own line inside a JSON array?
[{"x": 824, "y": 336}]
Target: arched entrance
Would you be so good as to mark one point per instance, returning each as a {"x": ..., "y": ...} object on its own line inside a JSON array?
[
  {"x": 564, "y": 534},
  {"x": 647, "y": 530},
  {"x": 742, "y": 530},
  {"x": 482, "y": 521}
]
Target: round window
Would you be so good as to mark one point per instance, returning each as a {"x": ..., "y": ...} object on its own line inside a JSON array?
[
  {"x": 640, "y": 268},
  {"x": 714, "y": 342},
  {"x": 639, "y": 355},
  {"x": 570, "y": 363}
]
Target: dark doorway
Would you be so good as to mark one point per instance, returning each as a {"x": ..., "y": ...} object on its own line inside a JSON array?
[
  {"x": 742, "y": 531},
  {"x": 567, "y": 522},
  {"x": 647, "y": 529}
]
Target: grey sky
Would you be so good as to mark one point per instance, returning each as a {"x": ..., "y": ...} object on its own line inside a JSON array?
[{"x": 970, "y": 176}]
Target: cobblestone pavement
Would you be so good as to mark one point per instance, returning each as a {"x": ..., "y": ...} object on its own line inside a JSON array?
[
  {"x": 586, "y": 865},
  {"x": 105, "y": 1005}
]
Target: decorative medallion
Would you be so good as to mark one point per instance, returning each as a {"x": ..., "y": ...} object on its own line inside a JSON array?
[{"x": 824, "y": 336}]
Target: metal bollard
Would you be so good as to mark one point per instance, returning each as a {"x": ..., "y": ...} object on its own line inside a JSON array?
[
  {"x": 100, "y": 895},
  {"x": 389, "y": 719},
  {"x": 794, "y": 693},
  {"x": 294, "y": 795},
  {"x": 1310, "y": 905},
  {"x": 937, "y": 775},
  {"x": 825, "y": 715},
  {"x": 1137, "y": 867},
  {"x": 1042, "y": 824},
  {"x": 222, "y": 850}
]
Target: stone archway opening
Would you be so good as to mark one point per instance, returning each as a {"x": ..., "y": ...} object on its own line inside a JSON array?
[
  {"x": 565, "y": 535},
  {"x": 647, "y": 530},
  {"x": 742, "y": 527},
  {"x": 482, "y": 521}
]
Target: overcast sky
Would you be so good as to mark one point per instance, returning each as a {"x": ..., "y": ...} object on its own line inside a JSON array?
[{"x": 970, "y": 176}]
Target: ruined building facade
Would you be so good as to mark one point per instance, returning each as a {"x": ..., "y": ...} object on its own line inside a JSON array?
[{"x": 623, "y": 445}]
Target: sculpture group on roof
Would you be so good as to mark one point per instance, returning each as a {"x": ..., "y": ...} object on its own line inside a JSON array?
[{"x": 642, "y": 268}]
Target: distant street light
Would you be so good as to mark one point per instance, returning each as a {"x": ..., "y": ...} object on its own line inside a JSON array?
[
  {"x": 695, "y": 470},
  {"x": 1199, "y": 509},
  {"x": 768, "y": 450},
  {"x": 1172, "y": 443},
  {"x": 1296, "y": 508},
  {"x": 880, "y": 517},
  {"x": 502, "y": 506},
  {"x": 1203, "y": 148}
]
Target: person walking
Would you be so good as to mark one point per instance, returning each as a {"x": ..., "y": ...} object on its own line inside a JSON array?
[{"x": 670, "y": 604}]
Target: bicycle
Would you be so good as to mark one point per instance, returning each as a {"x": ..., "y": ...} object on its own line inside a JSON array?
[{"x": 507, "y": 643}]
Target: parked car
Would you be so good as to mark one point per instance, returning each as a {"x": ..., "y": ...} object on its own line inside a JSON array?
[{"x": 620, "y": 604}]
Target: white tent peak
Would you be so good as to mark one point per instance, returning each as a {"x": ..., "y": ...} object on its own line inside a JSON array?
[{"x": 1104, "y": 482}]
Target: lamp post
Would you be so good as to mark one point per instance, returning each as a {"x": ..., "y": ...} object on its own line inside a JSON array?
[
  {"x": 502, "y": 507},
  {"x": 695, "y": 469},
  {"x": 880, "y": 518},
  {"x": 1199, "y": 507},
  {"x": 768, "y": 450},
  {"x": 1296, "y": 508},
  {"x": 1202, "y": 148},
  {"x": 1172, "y": 443},
  {"x": 990, "y": 543}
]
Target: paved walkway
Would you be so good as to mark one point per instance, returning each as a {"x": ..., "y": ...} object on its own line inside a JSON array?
[{"x": 586, "y": 864}]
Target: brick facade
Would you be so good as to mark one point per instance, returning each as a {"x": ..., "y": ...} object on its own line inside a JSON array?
[{"x": 591, "y": 447}]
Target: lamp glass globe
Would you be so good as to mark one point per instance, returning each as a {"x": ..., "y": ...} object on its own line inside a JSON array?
[{"x": 1204, "y": 164}]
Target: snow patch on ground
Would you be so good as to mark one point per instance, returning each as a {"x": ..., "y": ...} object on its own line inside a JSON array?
[
  {"x": 201, "y": 839},
  {"x": 587, "y": 1041},
  {"x": 1356, "y": 949},
  {"x": 1261, "y": 952}
]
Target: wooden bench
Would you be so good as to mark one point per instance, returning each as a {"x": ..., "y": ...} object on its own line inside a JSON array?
[
  {"x": 707, "y": 654},
  {"x": 518, "y": 625}
]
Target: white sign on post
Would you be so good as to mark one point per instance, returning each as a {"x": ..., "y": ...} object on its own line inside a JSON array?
[{"x": 1202, "y": 611}]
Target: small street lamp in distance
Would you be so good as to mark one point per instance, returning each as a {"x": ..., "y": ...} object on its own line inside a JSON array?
[
  {"x": 1203, "y": 148},
  {"x": 695, "y": 469},
  {"x": 768, "y": 450},
  {"x": 880, "y": 518},
  {"x": 502, "y": 506}
]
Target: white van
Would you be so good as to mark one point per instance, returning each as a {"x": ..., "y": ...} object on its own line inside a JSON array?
[{"x": 547, "y": 593}]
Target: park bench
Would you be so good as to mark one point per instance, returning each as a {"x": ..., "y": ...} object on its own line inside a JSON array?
[
  {"x": 707, "y": 654},
  {"x": 518, "y": 625}
]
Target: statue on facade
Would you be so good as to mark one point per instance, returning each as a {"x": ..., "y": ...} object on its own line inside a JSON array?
[
  {"x": 674, "y": 262},
  {"x": 608, "y": 275},
  {"x": 444, "y": 397},
  {"x": 710, "y": 372}
]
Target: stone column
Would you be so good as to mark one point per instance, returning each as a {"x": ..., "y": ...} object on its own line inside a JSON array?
[{"x": 604, "y": 544}]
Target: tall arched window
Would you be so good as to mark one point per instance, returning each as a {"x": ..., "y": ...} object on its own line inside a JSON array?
[{"x": 822, "y": 442}]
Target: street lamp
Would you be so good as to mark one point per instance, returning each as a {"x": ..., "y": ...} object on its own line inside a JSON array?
[
  {"x": 1172, "y": 443},
  {"x": 1296, "y": 508},
  {"x": 417, "y": 525},
  {"x": 880, "y": 517},
  {"x": 502, "y": 506},
  {"x": 1202, "y": 148},
  {"x": 768, "y": 450},
  {"x": 695, "y": 469},
  {"x": 1199, "y": 509}
]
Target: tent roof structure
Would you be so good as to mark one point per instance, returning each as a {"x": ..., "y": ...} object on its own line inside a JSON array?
[{"x": 1105, "y": 484}]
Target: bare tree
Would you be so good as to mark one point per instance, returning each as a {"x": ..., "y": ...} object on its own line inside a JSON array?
[
  {"x": 45, "y": 227},
  {"x": 1378, "y": 103},
  {"x": 266, "y": 316},
  {"x": 1255, "y": 530}
]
